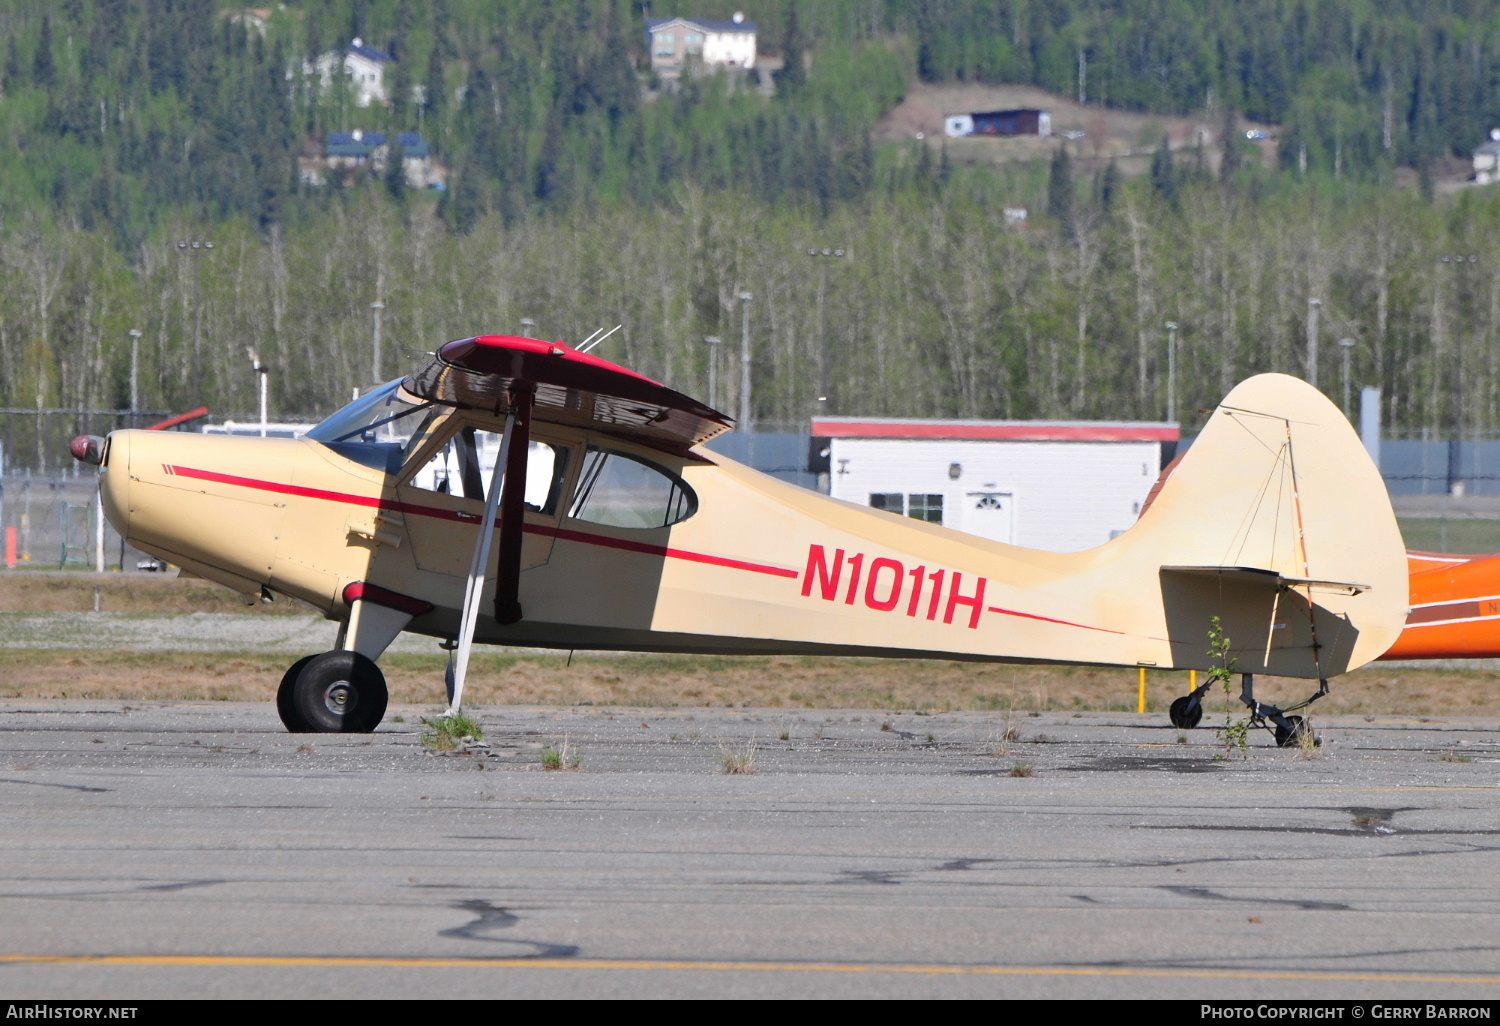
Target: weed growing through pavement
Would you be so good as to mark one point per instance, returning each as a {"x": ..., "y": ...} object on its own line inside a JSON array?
[
  {"x": 887, "y": 725},
  {"x": 738, "y": 760},
  {"x": 444, "y": 733},
  {"x": 1308, "y": 744},
  {"x": 1452, "y": 756},
  {"x": 1235, "y": 733},
  {"x": 1182, "y": 739},
  {"x": 1023, "y": 769},
  {"x": 562, "y": 756}
]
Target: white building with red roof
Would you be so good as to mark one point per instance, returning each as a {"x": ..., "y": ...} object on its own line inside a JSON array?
[{"x": 1058, "y": 485}]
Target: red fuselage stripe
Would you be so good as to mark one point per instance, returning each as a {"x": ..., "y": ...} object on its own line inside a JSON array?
[
  {"x": 1048, "y": 619},
  {"x": 438, "y": 513}
]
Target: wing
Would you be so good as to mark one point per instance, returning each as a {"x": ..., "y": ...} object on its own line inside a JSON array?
[{"x": 571, "y": 388}]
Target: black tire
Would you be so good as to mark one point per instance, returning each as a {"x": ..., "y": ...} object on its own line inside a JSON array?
[
  {"x": 340, "y": 693},
  {"x": 1186, "y": 712},
  {"x": 1291, "y": 738},
  {"x": 286, "y": 703}
]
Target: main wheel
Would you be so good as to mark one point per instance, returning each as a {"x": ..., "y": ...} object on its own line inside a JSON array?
[
  {"x": 1186, "y": 712},
  {"x": 286, "y": 702},
  {"x": 340, "y": 693},
  {"x": 1291, "y": 738}
]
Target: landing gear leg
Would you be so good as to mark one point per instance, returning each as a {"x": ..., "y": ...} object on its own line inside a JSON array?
[
  {"x": 1187, "y": 712},
  {"x": 1288, "y": 729}
]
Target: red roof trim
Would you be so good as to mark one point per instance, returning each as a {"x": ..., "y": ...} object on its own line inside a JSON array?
[{"x": 997, "y": 432}]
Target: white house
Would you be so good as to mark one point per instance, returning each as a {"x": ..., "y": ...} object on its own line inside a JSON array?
[
  {"x": 363, "y": 65},
  {"x": 677, "y": 42},
  {"x": 1057, "y": 485},
  {"x": 1487, "y": 160}
]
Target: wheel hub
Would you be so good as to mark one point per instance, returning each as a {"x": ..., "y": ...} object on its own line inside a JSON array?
[{"x": 340, "y": 698}]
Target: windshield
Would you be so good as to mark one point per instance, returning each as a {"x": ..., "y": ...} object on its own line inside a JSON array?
[{"x": 376, "y": 429}]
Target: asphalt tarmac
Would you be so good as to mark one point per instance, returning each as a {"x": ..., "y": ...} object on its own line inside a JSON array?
[{"x": 198, "y": 850}]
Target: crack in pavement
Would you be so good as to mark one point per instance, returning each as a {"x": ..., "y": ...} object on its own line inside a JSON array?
[{"x": 496, "y": 917}]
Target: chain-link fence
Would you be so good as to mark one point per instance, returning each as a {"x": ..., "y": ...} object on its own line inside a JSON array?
[{"x": 48, "y": 522}]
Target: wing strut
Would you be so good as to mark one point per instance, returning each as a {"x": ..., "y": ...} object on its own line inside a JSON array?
[
  {"x": 500, "y": 482},
  {"x": 513, "y": 506}
]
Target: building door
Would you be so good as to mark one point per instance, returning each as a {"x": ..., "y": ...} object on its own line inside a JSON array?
[{"x": 990, "y": 515}]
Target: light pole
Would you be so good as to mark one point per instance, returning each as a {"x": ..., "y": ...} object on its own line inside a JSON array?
[
  {"x": 526, "y": 325},
  {"x": 1458, "y": 262},
  {"x": 744, "y": 422},
  {"x": 135, "y": 372},
  {"x": 376, "y": 306},
  {"x": 1347, "y": 345},
  {"x": 261, "y": 371},
  {"x": 822, "y": 254},
  {"x": 1172, "y": 372},
  {"x": 713, "y": 366},
  {"x": 1313, "y": 306},
  {"x": 198, "y": 248}
]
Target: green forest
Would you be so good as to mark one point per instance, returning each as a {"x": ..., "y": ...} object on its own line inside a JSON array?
[{"x": 581, "y": 195}]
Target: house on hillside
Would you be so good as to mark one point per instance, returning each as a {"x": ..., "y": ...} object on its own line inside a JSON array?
[
  {"x": 251, "y": 19},
  {"x": 1028, "y": 121},
  {"x": 1487, "y": 161},
  {"x": 347, "y": 152},
  {"x": 363, "y": 65},
  {"x": 678, "y": 43}
]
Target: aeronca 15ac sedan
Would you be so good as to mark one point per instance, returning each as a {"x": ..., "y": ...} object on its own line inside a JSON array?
[{"x": 605, "y": 524}]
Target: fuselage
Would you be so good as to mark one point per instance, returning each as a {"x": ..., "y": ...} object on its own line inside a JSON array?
[{"x": 630, "y": 546}]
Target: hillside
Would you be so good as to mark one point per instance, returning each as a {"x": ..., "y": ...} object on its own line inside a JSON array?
[{"x": 1130, "y": 137}]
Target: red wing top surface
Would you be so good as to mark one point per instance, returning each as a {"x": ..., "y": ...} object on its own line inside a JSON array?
[{"x": 572, "y": 387}]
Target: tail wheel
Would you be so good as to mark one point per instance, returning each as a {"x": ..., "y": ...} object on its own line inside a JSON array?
[
  {"x": 1292, "y": 734},
  {"x": 339, "y": 693},
  {"x": 286, "y": 703},
  {"x": 1186, "y": 712}
]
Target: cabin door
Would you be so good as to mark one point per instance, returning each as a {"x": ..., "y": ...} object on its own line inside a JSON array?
[{"x": 442, "y": 502}]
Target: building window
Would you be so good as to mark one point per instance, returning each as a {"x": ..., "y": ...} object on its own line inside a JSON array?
[
  {"x": 925, "y": 507},
  {"x": 920, "y": 507}
]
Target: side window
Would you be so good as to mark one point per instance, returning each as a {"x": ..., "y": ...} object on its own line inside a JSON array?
[
  {"x": 623, "y": 491},
  {"x": 891, "y": 502},
  {"x": 465, "y": 462}
]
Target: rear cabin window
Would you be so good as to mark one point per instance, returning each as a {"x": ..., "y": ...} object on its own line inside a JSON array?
[{"x": 617, "y": 490}]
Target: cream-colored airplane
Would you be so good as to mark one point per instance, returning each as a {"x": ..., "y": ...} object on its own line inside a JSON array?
[{"x": 606, "y": 524}]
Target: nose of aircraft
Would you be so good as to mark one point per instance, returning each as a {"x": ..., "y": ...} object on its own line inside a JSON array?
[{"x": 114, "y": 479}]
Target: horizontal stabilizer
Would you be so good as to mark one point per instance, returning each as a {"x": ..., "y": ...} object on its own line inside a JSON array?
[{"x": 1249, "y": 574}]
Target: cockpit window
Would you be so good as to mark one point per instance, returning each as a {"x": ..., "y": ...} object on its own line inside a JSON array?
[
  {"x": 465, "y": 463},
  {"x": 625, "y": 491},
  {"x": 378, "y": 428}
]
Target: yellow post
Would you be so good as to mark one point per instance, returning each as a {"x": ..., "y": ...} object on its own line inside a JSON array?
[
  {"x": 1192, "y": 680},
  {"x": 1140, "y": 702}
]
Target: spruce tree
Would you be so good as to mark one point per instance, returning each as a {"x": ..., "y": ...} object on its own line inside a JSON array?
[
  {"x": 1060, "y": 189},
  {"x": 43, "y": 70},
  {"x": 1232, "y": 158},
  {"x": 1163, "y": 175}
]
